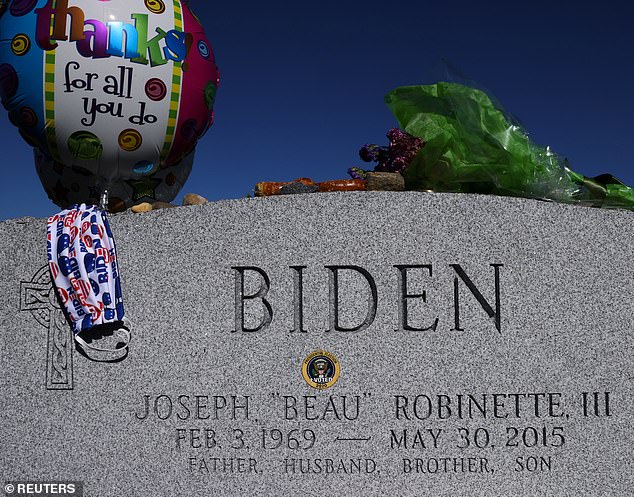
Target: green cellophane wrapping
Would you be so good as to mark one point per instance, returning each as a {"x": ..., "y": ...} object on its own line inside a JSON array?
[{"x": 472, "y": 148}]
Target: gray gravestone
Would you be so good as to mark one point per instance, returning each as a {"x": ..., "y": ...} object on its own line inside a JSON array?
[{"x": 483, "y": 346}]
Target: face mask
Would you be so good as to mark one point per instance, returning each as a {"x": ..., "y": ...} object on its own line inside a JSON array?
[{"x": 85, "y": 271}]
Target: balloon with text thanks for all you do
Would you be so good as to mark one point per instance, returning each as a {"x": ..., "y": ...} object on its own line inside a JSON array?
[{"x": 112, "y": 94}]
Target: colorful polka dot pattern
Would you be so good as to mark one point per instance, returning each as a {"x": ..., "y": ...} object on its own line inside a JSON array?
[
  {"x": 22, "y": 7},
  {"x": 155, "y": 6},
  {"x": 20, "y": 44},
  {"x": 130, "y": 140},
  {"x": 155, "y": 89},
  {"x": 27, "y": 117},
  {"x": 75, "y": 155},
  {"x": 84, "y": 145}
]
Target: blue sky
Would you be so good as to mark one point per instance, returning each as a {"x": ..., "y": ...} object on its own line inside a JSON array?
[{"x": 302, "y": 86}]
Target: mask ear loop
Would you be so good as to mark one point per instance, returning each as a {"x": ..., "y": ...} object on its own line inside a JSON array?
[{"x": 99, "y": 354}]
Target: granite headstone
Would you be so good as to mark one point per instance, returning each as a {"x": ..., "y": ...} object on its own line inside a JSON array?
[{"x": 409, "y": 344}]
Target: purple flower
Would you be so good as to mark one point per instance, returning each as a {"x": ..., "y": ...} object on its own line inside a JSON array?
[{"x": 397, "y": 155}]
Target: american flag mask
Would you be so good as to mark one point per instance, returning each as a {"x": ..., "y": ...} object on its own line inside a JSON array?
[{"x": 84, "y": 267}]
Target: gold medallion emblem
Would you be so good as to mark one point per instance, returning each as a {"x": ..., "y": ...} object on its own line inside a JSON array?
[{"x": 321, "y": 369}]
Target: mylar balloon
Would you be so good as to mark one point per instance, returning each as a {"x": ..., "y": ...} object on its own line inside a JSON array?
[{"x": 112, "y": 94}]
